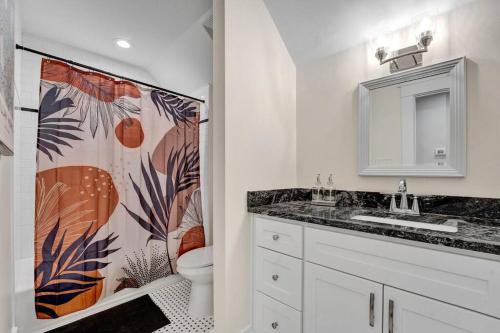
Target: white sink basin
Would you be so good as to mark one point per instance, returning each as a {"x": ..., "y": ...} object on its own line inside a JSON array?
[{"x": 450, "y": 227}]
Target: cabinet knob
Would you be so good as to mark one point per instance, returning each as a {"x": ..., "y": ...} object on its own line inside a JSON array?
[
  {"x": 276, "y": 237},
  {"x": 275, "y": 277},
  {"x": 274, "y": 325}
]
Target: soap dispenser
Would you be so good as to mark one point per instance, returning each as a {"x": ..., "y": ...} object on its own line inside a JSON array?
[
  {"x": 316, "y": 189},
  {"x": 329, "y": 194}
]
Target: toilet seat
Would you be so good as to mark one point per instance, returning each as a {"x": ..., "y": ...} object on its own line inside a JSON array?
[{"x": 197, "y": 258}]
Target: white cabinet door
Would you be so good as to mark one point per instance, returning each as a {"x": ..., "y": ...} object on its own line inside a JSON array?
[
  {"x": 336, "y": 302},
  {"x": 409, "y": 313}
]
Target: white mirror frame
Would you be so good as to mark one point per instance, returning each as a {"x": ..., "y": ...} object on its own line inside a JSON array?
[{"x": 458, "y": 118}]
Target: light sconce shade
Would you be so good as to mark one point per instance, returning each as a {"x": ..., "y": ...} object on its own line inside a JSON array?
[
  {"x": 426, "y": 26},
  {"x": 381, "y": 53},
  {"x": 411, "y": 56}
]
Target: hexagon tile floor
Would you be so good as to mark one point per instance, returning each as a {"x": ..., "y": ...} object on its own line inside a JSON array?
[{"x": 173, "y": 301}]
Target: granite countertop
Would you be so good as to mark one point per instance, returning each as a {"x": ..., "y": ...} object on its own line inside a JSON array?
[{"x": 478, "y": 234}]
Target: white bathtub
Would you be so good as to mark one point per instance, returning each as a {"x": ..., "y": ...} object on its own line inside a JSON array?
[{"x": 25, "y": 318}]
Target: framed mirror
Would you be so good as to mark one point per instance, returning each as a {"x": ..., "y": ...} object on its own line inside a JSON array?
[{"x": 414, "y": 123}]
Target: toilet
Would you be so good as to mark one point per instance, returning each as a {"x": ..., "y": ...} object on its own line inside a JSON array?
[{"x": 197, "y": 266}]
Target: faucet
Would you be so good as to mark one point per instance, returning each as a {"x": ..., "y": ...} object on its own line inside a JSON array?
[{"x": 403, "y": 205}]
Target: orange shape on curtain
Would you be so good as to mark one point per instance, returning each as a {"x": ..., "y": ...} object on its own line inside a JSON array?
[
  {"x": 194, "y": 238},
  {"x": 72, "y": 204},
  {"x": 129, "y": 132},
  {"x": 97, "y": 85},
  {"x": 182, "y": 138}
]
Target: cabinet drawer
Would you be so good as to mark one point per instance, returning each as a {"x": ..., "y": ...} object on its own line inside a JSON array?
[
  {"x": 271, "y": 316},
  {"x": 279, "y": 276},
  {"x": 468, "y": 282},
  {"x": 279, "y": 236},
  {"x": 409, "y": 313}
]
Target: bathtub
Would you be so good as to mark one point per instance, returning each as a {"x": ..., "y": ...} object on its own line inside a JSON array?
[{"x": 25, "y": 318}]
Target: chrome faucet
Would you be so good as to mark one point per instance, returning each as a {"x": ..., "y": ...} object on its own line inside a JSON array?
[{"x": 403, "y": 205}]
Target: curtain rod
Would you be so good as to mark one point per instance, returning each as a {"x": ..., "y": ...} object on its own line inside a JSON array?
[
  {"x": 27, "y": 49},
  {"x": 22, "y": 108}
]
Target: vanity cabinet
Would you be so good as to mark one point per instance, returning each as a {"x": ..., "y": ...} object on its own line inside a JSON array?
[{"x": 321, "y": 281}]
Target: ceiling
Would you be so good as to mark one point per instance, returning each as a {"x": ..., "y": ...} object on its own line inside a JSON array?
[
  {"x": 314, "y": 29},
  {"x": 167, "y": 36}
]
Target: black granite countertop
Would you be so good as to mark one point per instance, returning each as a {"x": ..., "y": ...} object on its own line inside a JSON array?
[{"x": 478, "y": 234}]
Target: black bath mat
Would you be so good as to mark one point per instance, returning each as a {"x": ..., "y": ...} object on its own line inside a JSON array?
[{"x": 140, "y": 315}]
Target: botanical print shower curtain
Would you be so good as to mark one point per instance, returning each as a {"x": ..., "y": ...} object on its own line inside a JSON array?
[{"x": 117, "y": 187}]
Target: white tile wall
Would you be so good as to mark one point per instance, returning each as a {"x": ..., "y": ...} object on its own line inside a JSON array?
[
  {"x": 24, "y": 183},
  {"x": 25, "y": 125}
]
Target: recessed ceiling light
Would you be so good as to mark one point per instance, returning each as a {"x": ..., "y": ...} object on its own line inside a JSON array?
[{"x": 123, "y": 43}]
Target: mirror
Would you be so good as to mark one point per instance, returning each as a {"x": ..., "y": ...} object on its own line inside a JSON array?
[{"x": 414, "y": 123}]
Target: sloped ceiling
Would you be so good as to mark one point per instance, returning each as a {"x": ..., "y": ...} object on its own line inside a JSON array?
[
  {"x": 314, "y": 29},
  {"x": 167, "y": 36}
]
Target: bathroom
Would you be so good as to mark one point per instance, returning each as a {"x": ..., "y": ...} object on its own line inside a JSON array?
[{"x": 317, "y": 204}]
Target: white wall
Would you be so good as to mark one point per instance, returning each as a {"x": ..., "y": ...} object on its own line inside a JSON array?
[
  {"x": 6, "y": 215},
  {"x": 187, "y": 63},
  {"x": 259, "y": 150},
  {"x": 327, "y": 106},
  {"x": 5, "y": 244},
  {"x": 218, "y": 172}
]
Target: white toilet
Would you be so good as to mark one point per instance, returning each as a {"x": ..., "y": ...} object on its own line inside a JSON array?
[{"x": 197, "y": 266}]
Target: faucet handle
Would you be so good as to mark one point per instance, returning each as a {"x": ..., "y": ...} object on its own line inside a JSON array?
[
  {"x": 393, "y": 206},
  {"x": 402, "y": 185},
  {"x": 414, "y": 206}
]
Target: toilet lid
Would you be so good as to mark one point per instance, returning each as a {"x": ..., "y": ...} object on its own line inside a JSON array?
[{"x": 201, "y": 257}]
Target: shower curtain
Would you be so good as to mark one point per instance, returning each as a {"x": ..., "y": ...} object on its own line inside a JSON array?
[{"x": 117, "y": 187}]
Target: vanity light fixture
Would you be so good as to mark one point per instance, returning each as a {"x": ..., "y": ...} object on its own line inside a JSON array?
[{"x": 411, "y": 56}]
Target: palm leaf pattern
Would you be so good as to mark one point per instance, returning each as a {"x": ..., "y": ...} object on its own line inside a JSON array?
[
  {"x": 54, "y": 131},
  {"x": 97, "y": 110},
  {"x": 64, "y": 274},
  {"x": 183, "y": 170},
  {"x": 181, "y": 110},
  {"x": 140, "y": 271},
  {"x": 97, "y": 97},
  {"x": 193, "y": 216},
  {"x": 48, "y": 210}
]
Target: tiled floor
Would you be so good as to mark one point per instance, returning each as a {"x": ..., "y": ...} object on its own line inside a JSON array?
[{"x": 173, "y": 301}]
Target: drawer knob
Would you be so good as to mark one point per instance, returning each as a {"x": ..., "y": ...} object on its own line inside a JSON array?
[
  {"x": 274, "y": 325},
  {"x": 276, "y": 237},
  {"x": 275, "y": 277}
]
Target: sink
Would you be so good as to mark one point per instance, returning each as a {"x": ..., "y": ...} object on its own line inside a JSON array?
[{"x": 448, "y": 226}]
